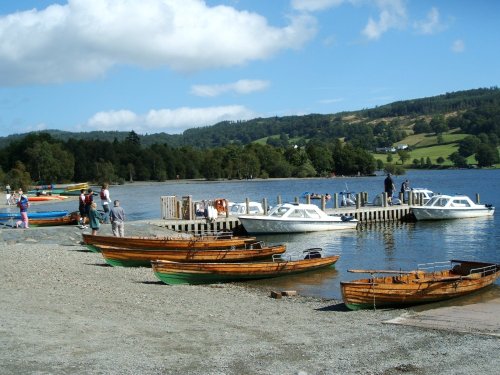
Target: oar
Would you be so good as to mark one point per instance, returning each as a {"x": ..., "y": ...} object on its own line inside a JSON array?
[{"x": 383, "y": 271}]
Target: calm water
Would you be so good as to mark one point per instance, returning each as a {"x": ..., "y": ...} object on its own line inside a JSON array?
[{"x": 382, "y": 246}]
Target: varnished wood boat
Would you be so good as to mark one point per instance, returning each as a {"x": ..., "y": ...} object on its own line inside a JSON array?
[
  {"x": 64, "y": 220},
  {"x": 205, "y": 273},
  {"x": 430, "y": 283},
  {"x": 174, "y": 242},
  {"x": 127, "y": 257}
]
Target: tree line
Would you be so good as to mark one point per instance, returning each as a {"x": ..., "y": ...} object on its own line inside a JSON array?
[{"x": 40, "y": 158}]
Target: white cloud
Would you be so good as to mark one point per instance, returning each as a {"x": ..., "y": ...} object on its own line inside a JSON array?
[
  {"x": 392, "y": 15},
  {"x": 458, "y": 46},
  {"x": 84, "y": 38},
  {"x": 431, "y": 24},
  {"x": 168, "y": 120},
  {"x": 243, "y": 86},
  {"x": 314, "y": 5}
]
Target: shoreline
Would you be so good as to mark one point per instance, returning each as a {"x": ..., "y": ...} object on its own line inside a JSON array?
[{"x": 64, "y": 310}]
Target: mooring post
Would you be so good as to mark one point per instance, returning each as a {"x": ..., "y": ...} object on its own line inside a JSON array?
[
  {"x": 296, "y": 199},
  {"x": 279, "y": 199},
  {"x": 384, "y": 199},
  {"x": 264, "y": 205},
  {"x": 358, "y": 200},
  {"x": 247, "y": 205},
  {"x": 308, "y": 198},
  {"x": 477, "y": 198},
  {"x": 323, "y": 202},
  {"x": 335, "y": 200}
]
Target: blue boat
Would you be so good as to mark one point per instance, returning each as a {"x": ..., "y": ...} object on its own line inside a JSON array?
[{"x": 33, "y": 215}]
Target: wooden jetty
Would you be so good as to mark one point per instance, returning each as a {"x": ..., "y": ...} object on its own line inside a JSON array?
[{"x": 180, "y": 214}]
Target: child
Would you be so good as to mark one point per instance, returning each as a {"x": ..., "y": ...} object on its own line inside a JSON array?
[
  {"x": 23, "y": 205},
  {"x": 94, "y": 218}
]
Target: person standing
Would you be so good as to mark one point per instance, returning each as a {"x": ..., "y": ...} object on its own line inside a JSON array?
[
  {"x": 405, "y": 187},
  {"x": 105, "y": 200},
  {"x": 89, "y": 199},
  {"x": 94, "y": 218},
  {"x": 81, "y": 207},
  {"x": 23, "y": 204},
  {"x": 389, "y": 187},
  {"x": 7, "y": 194},
  {"x": 117, "y": 218}
]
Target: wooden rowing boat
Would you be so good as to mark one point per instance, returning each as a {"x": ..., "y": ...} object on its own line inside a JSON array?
[
  {"x": 64, "y": 220},
  {"x": 127, "y": 257},
  {"x": 174, "y": 242},
  {"x": 430, "y": 283},
  {"x": 205, "y": 273}
]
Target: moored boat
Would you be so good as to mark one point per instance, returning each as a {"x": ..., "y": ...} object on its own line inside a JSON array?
[
  {"x": 127, "y": 257},
  {"x": 451, "y": 207},
  {"x": 33, "y": 215},
  {"x": 205, "y": 273},
  {"x": 69, "y": 219},
  {"x": 174, "y": 242},
  {"x": 429, "y": 283},
  {"x": 295, "y": 218}
]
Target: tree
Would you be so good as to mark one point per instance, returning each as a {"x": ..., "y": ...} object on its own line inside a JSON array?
[
  {"x": 458, "y": 160},
  {"x": 50, "y": 163},
  {"x": 404, "y": 155},
  {"x": 486, "y": 155},
  {"x": 19, "y": 177},
  {"x": 468, "y": 146},
  {"x": 440, "y": 160}
]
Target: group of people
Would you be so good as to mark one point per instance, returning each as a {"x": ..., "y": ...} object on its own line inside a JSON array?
[
  {"x": 389, "y": 187},
  {"x": 89, "y": 213}
]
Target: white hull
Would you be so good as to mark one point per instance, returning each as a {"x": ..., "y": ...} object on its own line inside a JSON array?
[
  {"x": 435, "y": 213},
  {"x": 264, "y": 224}
]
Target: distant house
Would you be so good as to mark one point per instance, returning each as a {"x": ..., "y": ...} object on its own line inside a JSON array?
[
  {"x": 386, "y": 150},
  {"x": 402, "y": 146}
]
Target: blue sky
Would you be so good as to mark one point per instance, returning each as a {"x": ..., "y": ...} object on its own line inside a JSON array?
[{"x": 167, "y": 65}]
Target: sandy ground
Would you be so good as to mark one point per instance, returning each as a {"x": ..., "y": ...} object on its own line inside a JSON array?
[{"x": 64, "y": 311}]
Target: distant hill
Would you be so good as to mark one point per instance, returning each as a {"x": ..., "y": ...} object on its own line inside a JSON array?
[{"x": 301, "y": 128}]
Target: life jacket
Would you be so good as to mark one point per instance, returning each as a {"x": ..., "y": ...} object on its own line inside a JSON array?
[
  {"x": 23, "y": 203},
  {"x": 103, "y": 195},
  {"x": 89, "y": 199}
]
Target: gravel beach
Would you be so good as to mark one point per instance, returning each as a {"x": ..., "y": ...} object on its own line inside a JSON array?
[{"x": 64, "y": 311}]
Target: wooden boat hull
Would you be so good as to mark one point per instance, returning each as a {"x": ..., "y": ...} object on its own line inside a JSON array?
[
  {"x": 93, "y": 242},
  {"x": 417, "y": 287},
  {"x": 142, "y": 257},
  {"x": 206, "y": 273},
  {"x": 65, "y": 220}
]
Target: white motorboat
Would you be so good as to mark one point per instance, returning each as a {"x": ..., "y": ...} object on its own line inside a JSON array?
[
  {"x": 296, "y": 218},
  {"x": 426, "y": 194},
  {"x": 451, "y": 207},
  {"x": 254, "y": 208}
]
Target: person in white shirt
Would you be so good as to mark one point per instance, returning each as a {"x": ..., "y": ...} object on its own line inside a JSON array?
[{"x": 105, "y": 200}]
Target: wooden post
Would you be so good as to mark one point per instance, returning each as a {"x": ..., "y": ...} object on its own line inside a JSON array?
[
  {"x": 279, "y": 199},
  {"x": 410, "y": 198},
  {"x": 358, "y": 200},
  {"x": 247, "y": 206},
  {"x": 384, "y": 199},
  {"x": 323, "y": 202},
  {"x": 264, "y": 205},
  {"x": 308, "y": 199},
  {"x": 477, "y": 198},
  {"x": 335, "y": 200},
  {"x": 227, "y": 208},
  {"x": 296, "y": 199}
]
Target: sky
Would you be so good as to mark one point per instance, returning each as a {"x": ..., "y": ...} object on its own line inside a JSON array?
[{"x": 168, "y": 65}]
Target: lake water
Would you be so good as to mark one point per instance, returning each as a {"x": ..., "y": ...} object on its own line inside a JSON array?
[{"x": 372, "y": 246}]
